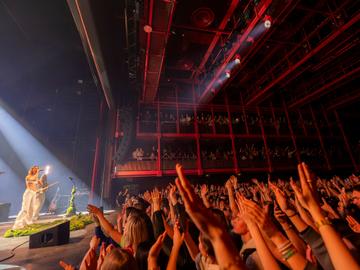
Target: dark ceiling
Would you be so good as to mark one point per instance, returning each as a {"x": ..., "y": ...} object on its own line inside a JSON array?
[
  {"x": 41, "y": 53},
  {"x": 45, "y": 80},
  {"x": 309, "y": 54}
]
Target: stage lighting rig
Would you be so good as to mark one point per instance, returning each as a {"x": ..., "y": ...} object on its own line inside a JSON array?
[
  {"x": 227, "y": 74},
  {"x": 267, "y": 21}
]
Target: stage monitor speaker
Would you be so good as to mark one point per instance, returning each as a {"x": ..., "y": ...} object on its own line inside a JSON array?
[
  {"x": 4, "y": 211},
  {"x": 53, "y": 236}
]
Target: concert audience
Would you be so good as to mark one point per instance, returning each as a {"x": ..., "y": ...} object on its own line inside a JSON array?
[
  {"x": 178, "y": 153},
  {"x": 312, "y": 223},
  {"x": 150, "y": 154}
]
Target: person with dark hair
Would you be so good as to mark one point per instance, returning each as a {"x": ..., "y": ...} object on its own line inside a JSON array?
[{"x": 206, "y": 260}]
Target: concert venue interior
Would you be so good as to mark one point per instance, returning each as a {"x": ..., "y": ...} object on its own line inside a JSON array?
[{"x": 106, "y": 97}]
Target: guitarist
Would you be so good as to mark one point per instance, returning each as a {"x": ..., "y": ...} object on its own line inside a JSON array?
[{"x": 53, "y": 205}]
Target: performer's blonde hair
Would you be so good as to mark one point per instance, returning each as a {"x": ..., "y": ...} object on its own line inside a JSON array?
[{"x": 31, "y": 169}]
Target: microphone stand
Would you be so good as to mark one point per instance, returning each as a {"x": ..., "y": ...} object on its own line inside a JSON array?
[{"x": 71, "y": 210}]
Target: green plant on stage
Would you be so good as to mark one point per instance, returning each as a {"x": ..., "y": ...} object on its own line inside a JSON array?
[
  {"x": 71, "y": 210},
  {"x": 77, "y": 222}
]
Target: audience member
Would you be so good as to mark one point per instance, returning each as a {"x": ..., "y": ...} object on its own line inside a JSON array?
[{"x": 312, "y": 223}]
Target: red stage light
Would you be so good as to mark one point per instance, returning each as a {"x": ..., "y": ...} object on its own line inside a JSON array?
[{"x": 147, "y": 28}]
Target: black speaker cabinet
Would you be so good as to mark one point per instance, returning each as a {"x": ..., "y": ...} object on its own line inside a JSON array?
[
  {"x": 4, "y": 211},
  {"x": 53, "y": 236}
]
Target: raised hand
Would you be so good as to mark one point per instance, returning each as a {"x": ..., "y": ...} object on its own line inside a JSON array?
[
  {"x": 156, "y": 199},
  {"x": 102, "y": 255},
  {"x": 258, "y": 216},
  {"x": 156, "y": 247},
  {"x": 354, "y": 225},
  {"x": 201, "y": 216},
  {"x": 94, "y": 210},
  {"x": 89, "y": 261},
  {"x": 343, "y": 197},
  {"x": 203, "y": 190},
  {"x": 327, "y": 208},
  {"x": 242, "y": 213},
  {"x": 66, "y": 266},
  {"x": 205, "y": 221},
  {"x": 94, "y": 242},
  {"x": 178, "y": 238},
  {"x": 306, "y": 195},
  {"x": 280, "y": 216},
  {"x": 280, "y": 197},
  {"x": 233, "y": 179}
]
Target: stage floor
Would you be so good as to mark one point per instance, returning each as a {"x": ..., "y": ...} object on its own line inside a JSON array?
[{"x": 44, "y": 258}]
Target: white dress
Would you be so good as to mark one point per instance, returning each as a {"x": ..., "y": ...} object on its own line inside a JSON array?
[
  {"x": 39, "y": 199},
  {"x": 25, "y": 216}
]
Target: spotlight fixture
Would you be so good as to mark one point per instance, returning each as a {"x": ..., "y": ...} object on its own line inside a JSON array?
[
  {"x": 147, "y": 28},
  {"x": 237, "y": 59},
  {"x": 227, "y": 74},
  {"x": 267, "y": 21}
]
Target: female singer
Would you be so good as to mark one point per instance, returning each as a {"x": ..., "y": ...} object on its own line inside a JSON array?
[{"x": 26, "y": 214}]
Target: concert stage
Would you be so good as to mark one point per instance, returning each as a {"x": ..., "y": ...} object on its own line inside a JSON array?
[{"x": 46, "y": 257}]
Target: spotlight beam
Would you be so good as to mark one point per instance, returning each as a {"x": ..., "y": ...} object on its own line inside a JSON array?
[
  {"x": 31, "y": 152},
  {"x": 10, "y": 157},
  {"x": 206, "y": 95}
]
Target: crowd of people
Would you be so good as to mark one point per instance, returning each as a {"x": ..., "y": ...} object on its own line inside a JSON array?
[
  {"x": 282, "y": 152},
  {"x": 313, "y": 152},
  {"x": 178, "y": 153},
  {"x": 252, "y": 152},
  {"x": 312, "y": 223},
  {"x": 216, "y": 153},
  {"x": 139, "y": 154},
  {"x": 220, "y": 121},
  {"x": 246, "y": 152},
  {"x": 186, "y": 119}
]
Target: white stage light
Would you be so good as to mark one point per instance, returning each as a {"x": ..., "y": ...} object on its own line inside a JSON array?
[
  {"x": 267, "y": 21},
  {"x": 47, "y": 169},
  {"x": 267, "y": 24}
]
